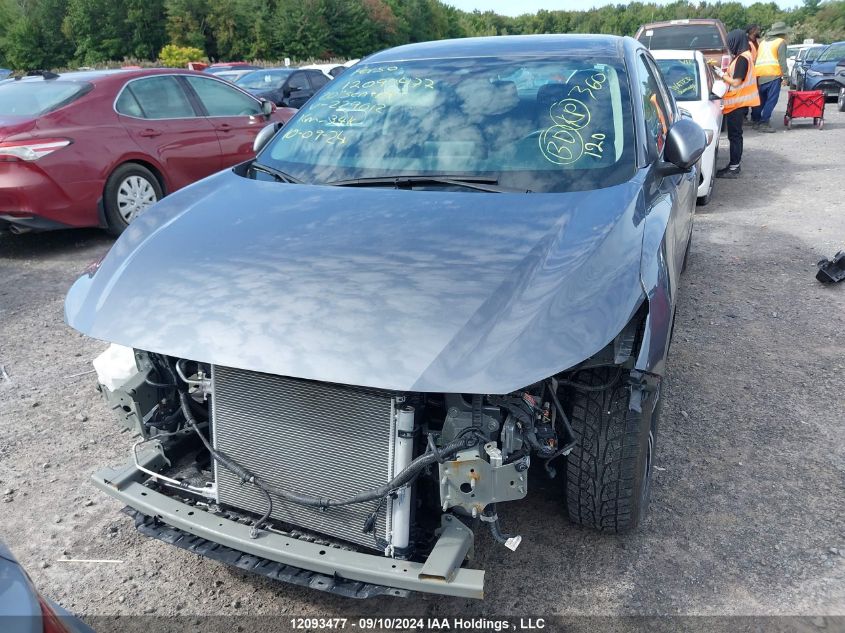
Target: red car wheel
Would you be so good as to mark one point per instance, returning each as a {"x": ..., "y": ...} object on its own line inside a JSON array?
[{"x": 130, "y": 190}]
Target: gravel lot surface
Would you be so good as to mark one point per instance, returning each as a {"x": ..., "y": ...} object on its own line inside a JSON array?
[{"x": 747, "y": 504}]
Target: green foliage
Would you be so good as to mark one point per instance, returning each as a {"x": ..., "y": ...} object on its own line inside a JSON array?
[
  {"x": 61, "y": 33},
  {"x": 35, "y": 39},
  {"x": 174, "y": 56},
  {"x": 827, "y": 24}
]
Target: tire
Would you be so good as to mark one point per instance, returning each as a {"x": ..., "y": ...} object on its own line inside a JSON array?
[
  {"x": 703, "y": 201},
  {"x": 608, "y": 472},
  {"x": 130, "y": 190}
]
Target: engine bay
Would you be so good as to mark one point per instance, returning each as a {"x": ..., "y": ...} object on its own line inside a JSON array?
[{"x": 363, "y": 468}]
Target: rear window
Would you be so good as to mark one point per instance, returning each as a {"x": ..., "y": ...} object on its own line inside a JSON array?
[
  {"x": 683, "y": 36},
  {"x": 33, "y": 98},
  {"x": 682, "y": 78},
  {"x": 832, "y": 53}
]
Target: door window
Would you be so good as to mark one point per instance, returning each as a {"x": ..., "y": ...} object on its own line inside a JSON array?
[
  {"x": 298, "y": 81},
  {"x": 318, "y": 80},
  {"x": 657, "y": 112},
  {"x": 155, "y": 98},
  {"x": 222, "y": 100}
]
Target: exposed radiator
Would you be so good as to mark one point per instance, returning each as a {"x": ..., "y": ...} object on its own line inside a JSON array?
[{"x": 306, "y": 437}]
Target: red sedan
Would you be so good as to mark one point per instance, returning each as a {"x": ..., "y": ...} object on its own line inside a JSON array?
[{"x": 97, "y": 148}]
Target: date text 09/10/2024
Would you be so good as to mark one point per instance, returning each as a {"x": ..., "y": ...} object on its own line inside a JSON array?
[{"x": 420, "y": 624}]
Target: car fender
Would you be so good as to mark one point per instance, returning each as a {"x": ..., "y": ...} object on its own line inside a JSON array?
[
  {"x": 137, "y": 156},
  {"x": 659, "y": 282}
]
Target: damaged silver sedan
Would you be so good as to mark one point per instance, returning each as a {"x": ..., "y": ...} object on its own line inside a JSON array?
[{"x": 455, "y": 266}]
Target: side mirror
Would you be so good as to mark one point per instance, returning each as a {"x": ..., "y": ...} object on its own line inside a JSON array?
[
  {"x": 267, "y": 107},
  {"x": 264, "y": 136},
  {"x": 685, "y": 143}
]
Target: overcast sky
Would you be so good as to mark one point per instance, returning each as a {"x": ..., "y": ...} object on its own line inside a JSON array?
[{"x": 518, "y": 7}]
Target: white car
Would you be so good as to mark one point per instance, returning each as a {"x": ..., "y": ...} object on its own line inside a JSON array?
[{"x": 691, "y": 81}]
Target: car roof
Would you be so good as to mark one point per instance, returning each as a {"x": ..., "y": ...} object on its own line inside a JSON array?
[
  {"x": 684, "y": 22},
  {"x": 95, "y": 76},
  {"x": 321, "y": 66},
  {"x": 527, "y": 45}
]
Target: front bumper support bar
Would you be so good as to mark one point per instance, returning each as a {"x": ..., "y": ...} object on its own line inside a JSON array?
[
  {"x": 153, "y": 528},
  {"x": 125, "y": 484}
]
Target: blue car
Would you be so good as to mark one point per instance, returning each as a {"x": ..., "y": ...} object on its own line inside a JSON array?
[
  {"x": 457, "y": 262},
  {"x": 820, "y": 75}
]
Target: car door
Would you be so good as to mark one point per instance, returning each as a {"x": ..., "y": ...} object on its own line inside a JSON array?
[
  {"x": 297, "y": 90},
  {"x": 236, "y": 116},
  {"x": 674, "y": 193},
  {"x": 158, "y": 114}
]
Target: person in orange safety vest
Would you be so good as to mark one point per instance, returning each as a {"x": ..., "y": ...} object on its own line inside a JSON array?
[
  {"x": 741, "y": 95},
  {"x": 771, "y": 71}
]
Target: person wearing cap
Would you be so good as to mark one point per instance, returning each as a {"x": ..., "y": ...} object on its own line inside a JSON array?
[
  {"x": 771, "y": 70},
  {"x": 741, "y": 95}
]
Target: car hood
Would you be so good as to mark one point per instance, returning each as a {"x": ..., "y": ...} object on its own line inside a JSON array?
[
  {"x": 824, "y": 67},
  {"x": 407, "y": 290}
]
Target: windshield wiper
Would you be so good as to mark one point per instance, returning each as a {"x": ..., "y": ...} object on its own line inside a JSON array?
[
  {"x": 278, "y": 174},
  {"x": 480, "y": 183}
]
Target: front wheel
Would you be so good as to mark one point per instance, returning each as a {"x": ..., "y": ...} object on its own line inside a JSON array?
[
  {"x": 130, "y": 190},
  {"x": 608, "y": 473}
]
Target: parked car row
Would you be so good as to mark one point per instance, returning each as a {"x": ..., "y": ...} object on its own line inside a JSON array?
[
  {"x": 820, "y": 73},
  {"x": 159, "y": 130}
]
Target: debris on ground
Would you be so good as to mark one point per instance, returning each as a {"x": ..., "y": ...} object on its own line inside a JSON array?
[{"x": 832, "y": 270}]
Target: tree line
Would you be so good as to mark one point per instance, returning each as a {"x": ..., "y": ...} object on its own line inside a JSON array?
[{"x": 68, "y": 33}]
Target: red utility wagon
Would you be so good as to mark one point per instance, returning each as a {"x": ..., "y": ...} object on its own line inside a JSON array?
[{"x": 805, "y": 104}]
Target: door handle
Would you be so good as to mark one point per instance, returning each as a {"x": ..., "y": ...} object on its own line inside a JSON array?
[
  {"x": 150, "y": 133},
  {"x": 224, "y": 127}
]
